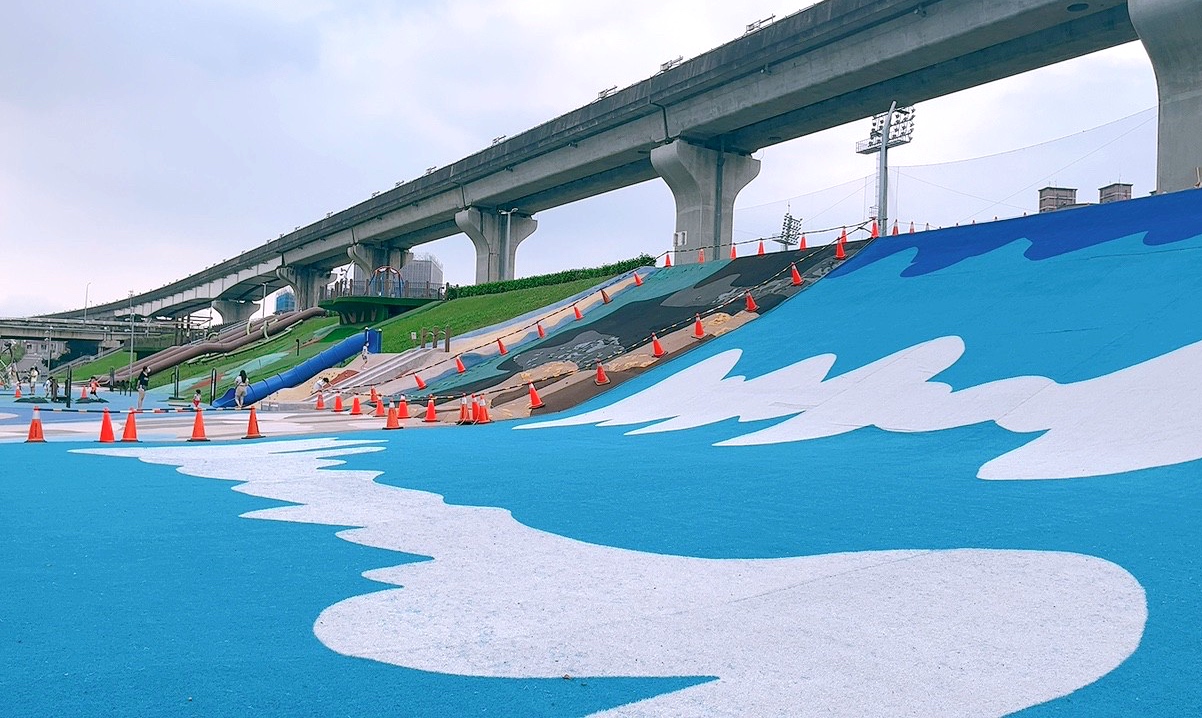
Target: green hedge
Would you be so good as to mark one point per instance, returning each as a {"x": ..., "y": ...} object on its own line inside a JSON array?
[{"x": 543, "y": 280}]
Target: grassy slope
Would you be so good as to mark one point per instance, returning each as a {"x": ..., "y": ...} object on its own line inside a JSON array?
[
  {"x": 461, "y": 315},
  {"x": 468, "y": 313}
]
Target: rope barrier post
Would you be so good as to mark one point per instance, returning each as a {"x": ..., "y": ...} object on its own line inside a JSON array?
[
  {"x": 69, "y": 387},
  {"x": 446, "y": 339}
]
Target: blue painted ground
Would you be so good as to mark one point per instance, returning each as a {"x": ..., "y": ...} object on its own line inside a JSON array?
[{"x": 129, "y": 588}]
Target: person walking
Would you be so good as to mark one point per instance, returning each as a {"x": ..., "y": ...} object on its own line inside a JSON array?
[
  {"x": 363, "y": 354},
  {"x": 240, "y": 386},
  {"x": 53, "y": 389},
  {"x": 143, "y": 385},
  {"x": 196, "y": 400},
  {"x": 33, "y": 381}
]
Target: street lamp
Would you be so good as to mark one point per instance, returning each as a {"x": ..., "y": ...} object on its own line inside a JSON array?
[
  {"x": 504, "y": 254},
  {"x": 85, "y": 301},
  {"x": 131, "y": 337}
]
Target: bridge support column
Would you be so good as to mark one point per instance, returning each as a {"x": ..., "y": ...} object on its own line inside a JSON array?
[
  {"x": 370, "y": 257},
  {"x": 234, "y": 311},
  {"x": 496, "y": 236},
  {"x": 1171, "y": 31},
  {"x": 705, "y": 183},
  {"x": 306, "y": 283}
]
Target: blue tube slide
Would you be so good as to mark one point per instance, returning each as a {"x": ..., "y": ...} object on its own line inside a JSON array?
[{"x": 306, "y": 370}]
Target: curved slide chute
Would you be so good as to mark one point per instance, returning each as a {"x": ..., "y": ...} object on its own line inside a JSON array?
[{"x": 307, "y": 369}]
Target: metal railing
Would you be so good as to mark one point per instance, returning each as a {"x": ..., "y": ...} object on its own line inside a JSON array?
[{"x": 386, "y": 288}]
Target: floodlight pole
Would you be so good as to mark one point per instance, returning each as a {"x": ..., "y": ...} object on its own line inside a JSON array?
[
  {"x": 879, "y": 140},
  {"x": 882, "y": 190}
]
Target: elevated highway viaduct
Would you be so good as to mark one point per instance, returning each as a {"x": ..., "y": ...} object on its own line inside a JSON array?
[{"x": 697, "y": 124}]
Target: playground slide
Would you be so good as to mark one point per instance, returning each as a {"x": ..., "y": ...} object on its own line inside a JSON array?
[
  {"x": 306, "y": 370},
  {"x": 169, "y": 358}
]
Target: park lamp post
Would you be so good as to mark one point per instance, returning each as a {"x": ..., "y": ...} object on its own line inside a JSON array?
[
  {"x": 131, "y": 337},
  {"x": 85, "y": 300},
  {"x": 889, "y": 129},
  {"x": 504, "y": 255}
]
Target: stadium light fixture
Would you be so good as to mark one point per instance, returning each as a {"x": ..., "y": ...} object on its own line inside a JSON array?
[{"x": 889, "y": 129}]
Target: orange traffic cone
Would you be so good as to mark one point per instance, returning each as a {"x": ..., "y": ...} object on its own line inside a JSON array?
[
  {"x": 130, "y": 433},
  {"x": 803, "y": 242},
  {"x": 840, "y": 253},
  {"x": 667, "y": 260},
  {"x": 392, "y": 422},
  {"x": 698, "y": 330},
  {"x": 356, "y": 409},
  {"x": 701, "y": 256},
  {"x": 875, "y": 231},
  {"x": 475, "y": 412},
  {"x": 106, "y": 428},
  {"x": 796, "y": 275},
  {"x": 535, "y": 401},
  {"x": 601, "y": 379},
  {"x": 657, "y": 349},
  {"x": 501, "y": 347},
  {"x": 911, "y": 228},
  {"x": 733, "y": 253},
  {"x": 420, "y": 384},
  {"x": 35, "y": 426},
  {"x": 760, "y": 251},
  {"x": 379, "y": 407},
  {"x": 198, "y": 426},
  {"x": 638, "y": 281},
  {"x": 321, "y": 402},
  {"x": 464, "y": 416},
  {"x": 431, "y": 415},
  {"x": 541, "y": 332},
  {"x": 605, "y": 297},
  {"x": 751, "y": 305},
  {"x": 374, "y": 396},
  {"x": 252, "y": 426},
  {"x": 576, "y": 309},
  {"x": 17, "y": 392},
  {"x": 459, "y": 365},
  {"x": 895, "y": 230},
  {"x": 484, "y": 417},
  {"x": 402, "y": 408},
  {"x": 843, "y": 236},
  {"x": 338, "y": 403},
  {"x": 83, "y": 394}
]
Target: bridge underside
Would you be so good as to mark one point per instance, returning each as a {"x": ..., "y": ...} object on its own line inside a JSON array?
[{"x": 833, "y": 63}]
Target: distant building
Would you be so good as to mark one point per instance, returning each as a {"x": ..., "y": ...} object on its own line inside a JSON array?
[
  {"x": 285, "y": 301},
  {"x": 422, "y": 269},
  {"x": 1054, "y": 198},
  {"x": 1116, "y": 192}
]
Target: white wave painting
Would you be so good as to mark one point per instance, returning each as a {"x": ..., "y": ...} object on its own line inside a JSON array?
[
  {"x": 1140, "y": 417},
  {"x": 886, "y": 633}
]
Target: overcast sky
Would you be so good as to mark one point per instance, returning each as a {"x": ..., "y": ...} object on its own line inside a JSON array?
[{"x": 142, "y": 141}]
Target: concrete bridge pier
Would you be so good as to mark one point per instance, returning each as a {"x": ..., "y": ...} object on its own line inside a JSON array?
[
  {"x": 496, "y": 235},
  {"x": 234, "y": 311},
  {"x": 1171, "y": 31},
  {"x": 370, "y": 257},
  {"x": 704, "y": 183},
  {"x": 306, "y": 283}
]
